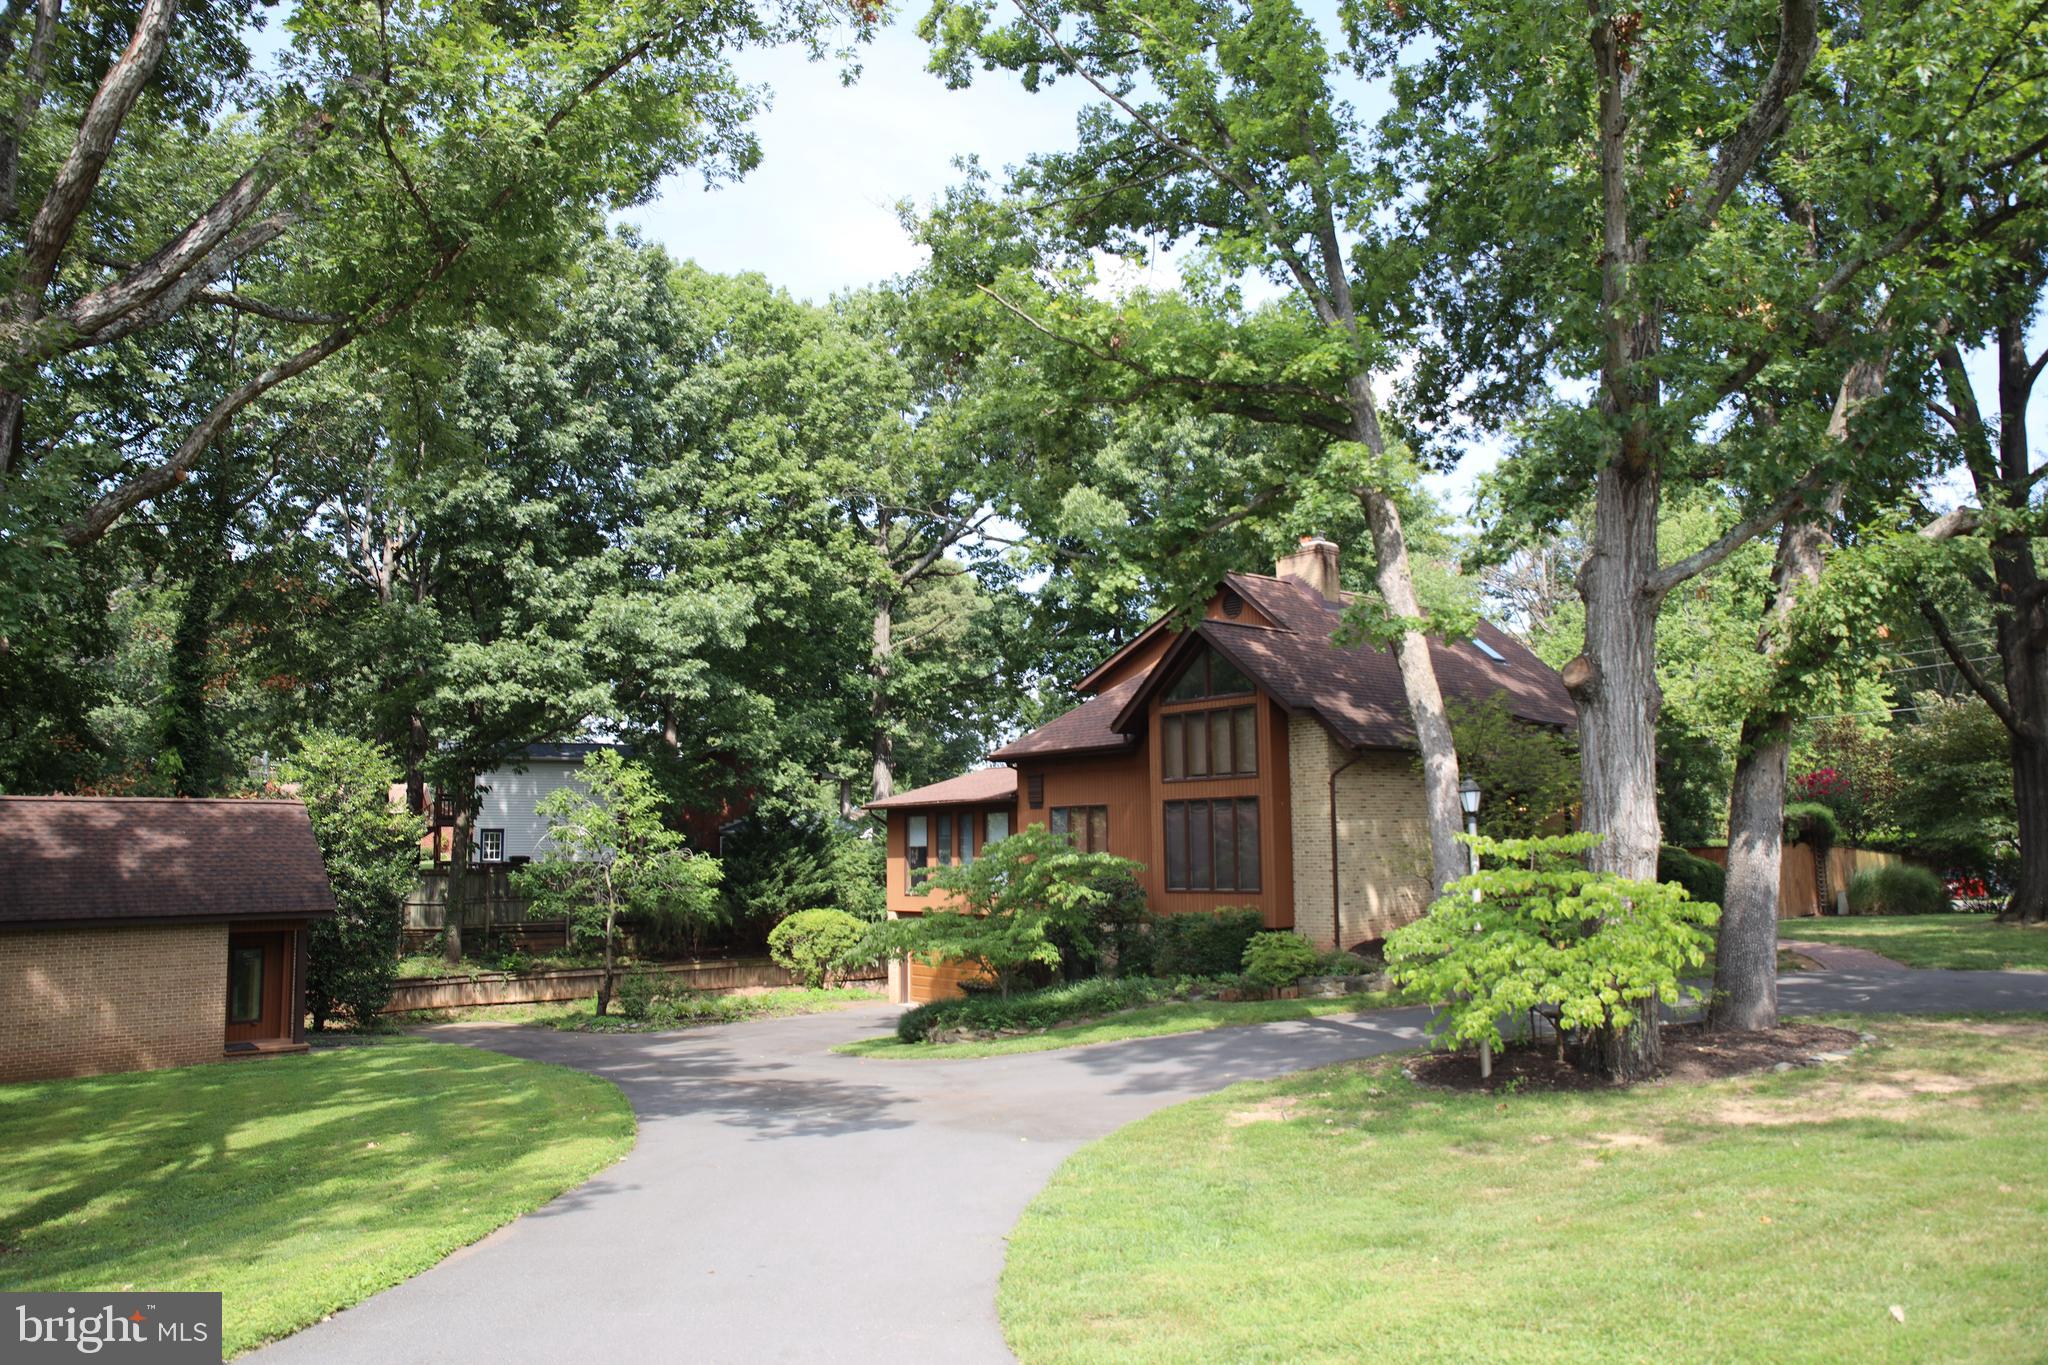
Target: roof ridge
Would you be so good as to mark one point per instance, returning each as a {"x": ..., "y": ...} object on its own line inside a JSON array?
[{"x": 166, "y": 800}]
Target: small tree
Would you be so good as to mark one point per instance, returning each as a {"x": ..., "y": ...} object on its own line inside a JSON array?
[
  {"x": 1013, "y": 907},
  {"x": 610, "y": 858},
  {"x": 1530, "y": 773},
  {"x": 811, "y": 944},
  {"x": 1588, "y": 948},
  {"x": 371, "y": 847}
]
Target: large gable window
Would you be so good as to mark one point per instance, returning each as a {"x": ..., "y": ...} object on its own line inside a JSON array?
[
  {"x": 1212, "y": 845},
  {"x": 1207, "y": 675},
  {"x": 1220, "y": 742}
]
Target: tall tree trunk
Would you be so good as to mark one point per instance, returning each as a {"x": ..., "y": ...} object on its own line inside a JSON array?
[
  {"x": 1614, "y": 685},
  {"x": 2029, "y": 902},
  {"x": 1423, "y": 693},
  {"x": 882, "y": 743},
  {"x": 1746, "y": 951},
  {"x": 416, "y": 747}
]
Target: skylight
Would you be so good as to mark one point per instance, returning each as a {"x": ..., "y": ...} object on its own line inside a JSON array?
[{"x": 1489, "y": 651}]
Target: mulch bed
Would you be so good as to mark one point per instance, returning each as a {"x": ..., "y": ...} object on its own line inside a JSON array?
[{"x": 1691, "y": 1053}]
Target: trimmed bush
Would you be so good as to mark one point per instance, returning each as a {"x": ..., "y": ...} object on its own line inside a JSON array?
[
  {"x": 813, "y": 943},
  {"x": 637, "y": 993},
  {"x": 1031, "y": 1009},
  {"x": 1897, "y": 889},
  {"x": 1702, "y": 878},
  {"x": 1208, "y": 943},
  {"x": 1279, "y": 959}
]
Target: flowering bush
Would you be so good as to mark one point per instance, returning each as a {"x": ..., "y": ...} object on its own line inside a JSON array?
[{"x": 1588, "y": 948}]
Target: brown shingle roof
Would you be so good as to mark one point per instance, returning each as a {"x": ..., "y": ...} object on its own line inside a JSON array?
[
  {"x": 984, "y": 785},
  {"x": 87, "y": 858},
  {"x": 1088, "y": 728},
  {"x": 1356, "y": 691}
]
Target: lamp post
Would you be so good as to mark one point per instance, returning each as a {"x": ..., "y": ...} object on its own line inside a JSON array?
[{"x": 1468, "y": 799}]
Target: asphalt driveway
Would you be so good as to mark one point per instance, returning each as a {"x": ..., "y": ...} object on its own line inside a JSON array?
[{"x": 785, "y": 1203}]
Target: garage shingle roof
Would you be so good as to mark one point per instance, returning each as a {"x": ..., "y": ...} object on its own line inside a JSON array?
[{"x": 85, "y": 859}]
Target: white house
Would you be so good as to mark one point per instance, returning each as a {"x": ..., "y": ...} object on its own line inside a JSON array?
[{"x": 507, "y": 828}]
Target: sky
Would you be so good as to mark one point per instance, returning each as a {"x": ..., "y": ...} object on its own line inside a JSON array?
[{"x": 819, "y": 214}]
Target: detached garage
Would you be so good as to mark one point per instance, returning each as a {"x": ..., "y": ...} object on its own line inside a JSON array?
[{"x": 139, "y": 933}]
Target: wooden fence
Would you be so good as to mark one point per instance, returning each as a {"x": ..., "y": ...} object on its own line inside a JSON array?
[
  {"x": 580, "y": 983},
  {"x": 1799, "y": 888}
]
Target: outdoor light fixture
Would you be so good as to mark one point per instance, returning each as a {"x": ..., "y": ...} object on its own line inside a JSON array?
[{"x": 1468, "y": 797}]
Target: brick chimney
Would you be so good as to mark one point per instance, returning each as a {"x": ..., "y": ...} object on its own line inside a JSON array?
[{"x": 1314, "y": 563}]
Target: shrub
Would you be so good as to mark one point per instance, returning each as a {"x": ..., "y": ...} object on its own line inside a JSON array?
[
  {"x": 1341, "y": 962},
  {"x": 1031, "y": 1009},
  {"x": 1812, "y": 823},
  {"x": 370, "y": 846},
  {"x": 1012, "y": 909},
  {"x": 1702, "y": 878},
  {"x": 1203, "y": 943},
  {"x": 777, "y": 867},
  {"x": 1123, "y": 926},
  {"x": 637, "y": 993},
  {"x": 1278, "y": 959},
  {"x": 1897, "y": 889},
  {"x": 1546, "y": 932},
  {"x": 813, "y": 943}
]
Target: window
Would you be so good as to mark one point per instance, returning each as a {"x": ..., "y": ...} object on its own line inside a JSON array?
[
  {"x": 1208, "y": 674},
  {"x": 998, "y": 826},
  {"x": 943, "y": 853},
  {"x": 1488, "y": 650},
  {"x": 1219, "y": 743},
  {"x": 916, "y": 851},
  {"x": 490, "y": 845},
  {"x": 1212, "y": 845},
  {"x": 967, "y": 839},
  {"x": 245, "y": 985},
  {"x": 1086, "y": 826},
  {"x": 1034, "y": 790}
]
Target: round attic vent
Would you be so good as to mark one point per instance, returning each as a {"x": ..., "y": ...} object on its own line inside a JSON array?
[{"x": 1233, "y": 605}]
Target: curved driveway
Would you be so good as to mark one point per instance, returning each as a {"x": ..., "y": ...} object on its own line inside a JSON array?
[{"x": 785, "y": 1203}]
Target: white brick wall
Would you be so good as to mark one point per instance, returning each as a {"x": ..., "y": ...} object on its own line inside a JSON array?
[{"x": 1381, "y": 831}]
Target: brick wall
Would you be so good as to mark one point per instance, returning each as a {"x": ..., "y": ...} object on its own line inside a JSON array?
[
  {"x": 78, "y": 1002},
  {"x": 1382, "y": 835}
]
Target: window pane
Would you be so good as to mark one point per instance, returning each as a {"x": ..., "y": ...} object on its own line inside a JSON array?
[
  {"x": 1192, "y": 684},
  {"x": 1098, "y": 829},
  {"x": 1176, "y": 846},
  {"x": 1172, "y": 759},
  {"x": 1219, "y": 744},
  {"x": 1034, "y": 790},
  {"x": 1224, "y": 679},
  {"x": 998, "y": 826},
  {"x": 1225, "y": 844},
  {"x": 1198, "y": 744},
  {"x": 943, "y": 853},
  {"x": 1245, "y": 724},
  {"x": 1198, "y": 846},
  {"x": 916, "y": 850},
  {"x": 1248, "y": 845},
  {"x": 1059, "y": 820},
  {"x": 245, "y": 985},
  {"x": 967, "y": 838}
]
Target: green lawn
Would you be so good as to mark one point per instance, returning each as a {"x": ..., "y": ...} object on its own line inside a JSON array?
[
  {"x": 1181, "y": 1016},
  {"x": 1956, "y": 942},
  {"x": 581, "y": 1016},
  {"x": 297, "y": 1185},
  {"x": 1346, "y": 1213}
]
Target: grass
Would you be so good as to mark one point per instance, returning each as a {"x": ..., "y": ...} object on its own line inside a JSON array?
[
  {"x": 580, "y": 1016},
  {"x": 1956, "y": 942},
  {"x": 1149, "y": 1022},
  {"x": 294, "y": 1185},
  {"x": 1346, "y": 1212}
]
